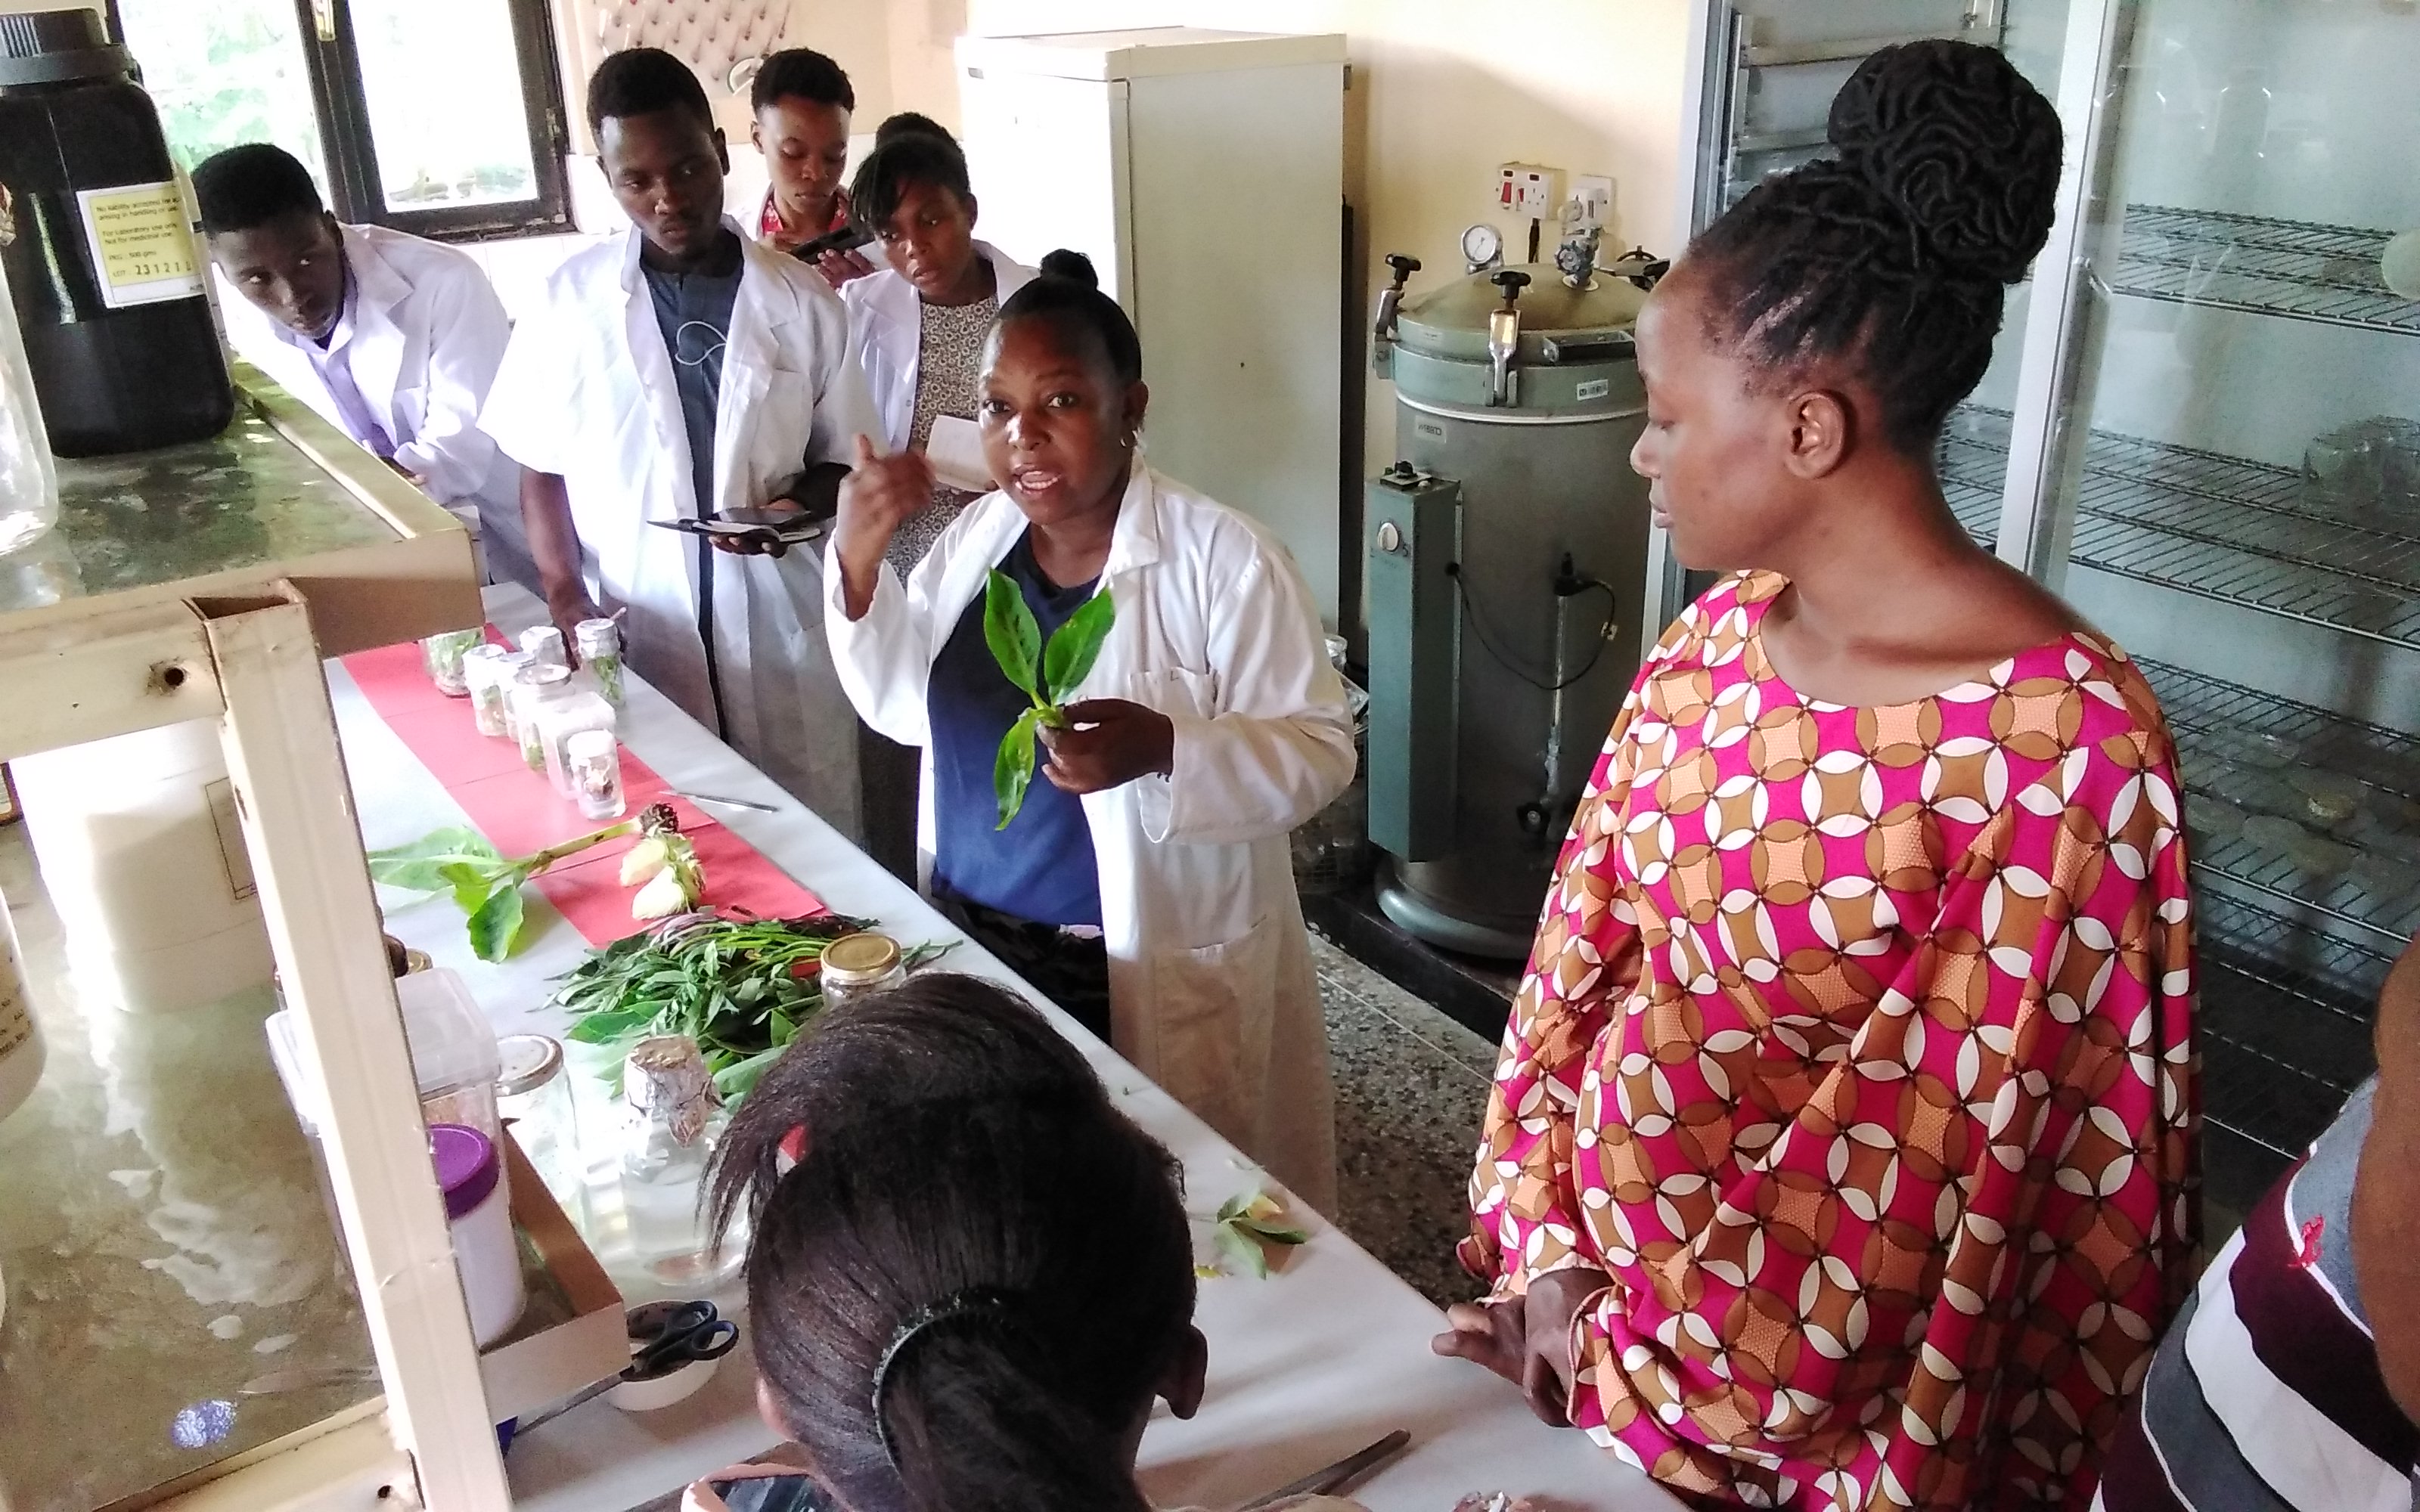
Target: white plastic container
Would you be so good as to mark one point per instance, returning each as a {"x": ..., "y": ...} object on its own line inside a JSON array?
[
  {"x": 454, "y": 1055},
  {"x": 20, "y": 1038},
  {"x": 479, "y": 1220},
  {"x": 145, "y": 859}
]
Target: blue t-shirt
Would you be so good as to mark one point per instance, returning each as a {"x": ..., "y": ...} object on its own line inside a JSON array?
[
  {"x": 1041, "y": 867},
  {"x": 694, "y": 312}
]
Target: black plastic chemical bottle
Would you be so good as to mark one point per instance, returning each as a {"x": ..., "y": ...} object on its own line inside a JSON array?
[{"x": 98, "y": 248}]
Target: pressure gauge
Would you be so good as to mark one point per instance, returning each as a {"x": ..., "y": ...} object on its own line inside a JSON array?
[{"x": 1482, "y": 246}]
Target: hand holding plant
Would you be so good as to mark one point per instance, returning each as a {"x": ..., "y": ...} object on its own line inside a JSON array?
[
  {"x": 1247, "y": 1225},
  {"x": 1043, "y": 674}
]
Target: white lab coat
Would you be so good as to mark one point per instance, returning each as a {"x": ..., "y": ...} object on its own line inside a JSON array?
[
  {"x": 1211, "y": 994},
  {"x": 429, "y": 332},
  {"x": 886, "y": 328},
  {"x": 587, "y": 391}
]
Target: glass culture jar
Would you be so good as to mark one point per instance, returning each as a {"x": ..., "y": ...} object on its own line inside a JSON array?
[
  {"x": 600, "y": 642},
  {"x": 442, "y": 653},
  {"x": 486, "y": 671},
  {"x": 544, "y": 643},
  {"x": 672, "y": 1118},
  {"x": 536, "y": 684},
  {"x": 558, "y": 720},
  {"x": 533, "y": 1098},
  {"x": 594, "y": 758},
  {"x": 855, "y": 966}
]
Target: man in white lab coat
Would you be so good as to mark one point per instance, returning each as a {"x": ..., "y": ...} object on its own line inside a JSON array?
[
  {"x": 393, "y": 339},
  {"x": 680, "y": 372}
]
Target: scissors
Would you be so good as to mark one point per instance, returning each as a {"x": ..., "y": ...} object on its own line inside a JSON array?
[
  {"x": 670, "y": 1334},
  {"x": 664, "y": 1336}
]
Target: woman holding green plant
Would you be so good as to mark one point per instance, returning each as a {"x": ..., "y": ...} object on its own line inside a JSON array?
[{"x": 1158, "y": 655}]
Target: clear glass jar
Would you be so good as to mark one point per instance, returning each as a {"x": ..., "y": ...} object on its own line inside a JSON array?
[
  {"x": 29, "y": 485},
  {"x": 443, "y": 653},
  {"x": 575, "y": 712},
  {"x": 857, "y": 965},
  {"x": 533, "y": 1098},
  {"x": 487, "y": 671},
  {"x": 672, "y": 1119},
  {"x": 533, "y": 686},
  {"x": 600, "y": 653},
  {"x": 544, "y": 643},
  {"x": 593, "y": 759}
]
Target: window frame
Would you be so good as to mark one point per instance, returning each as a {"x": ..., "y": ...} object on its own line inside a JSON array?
[{"x": 348, "y": 145}]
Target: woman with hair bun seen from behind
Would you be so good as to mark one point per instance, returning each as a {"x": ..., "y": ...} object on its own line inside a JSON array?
[
  {"x": 971, "y": 1276},
  {"x": 1842, "y": 1153},
  {"x": 1145, "y": 884}
]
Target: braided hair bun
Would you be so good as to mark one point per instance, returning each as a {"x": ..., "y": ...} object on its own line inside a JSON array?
[
  {"x": 1955, "y": 140},
  {"x": 1891, "y": 257}
]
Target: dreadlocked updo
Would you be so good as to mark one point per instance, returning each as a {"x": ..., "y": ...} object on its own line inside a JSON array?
[{"x": 1891, "y": 255}]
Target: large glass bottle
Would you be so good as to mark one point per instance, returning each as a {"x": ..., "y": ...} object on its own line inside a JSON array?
[{"x": 107, "y": 284}]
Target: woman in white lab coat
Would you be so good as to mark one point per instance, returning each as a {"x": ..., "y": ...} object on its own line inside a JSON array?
[
  {"x": 1210, "y": 726},
  {"x": 917, "y": 329}
]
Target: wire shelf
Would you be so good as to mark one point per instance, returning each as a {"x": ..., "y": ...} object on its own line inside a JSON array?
[
  {"x": 2246, "y": 756},
  {"x": 2272, "y": 1070},
  {"x": 1973, "y": 478},
  {"x": 2297, "y": 269},
  {"x": 2222, "y": 526}
]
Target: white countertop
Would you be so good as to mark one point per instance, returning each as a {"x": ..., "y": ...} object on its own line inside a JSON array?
[{"x": 1305, "y": 1367}]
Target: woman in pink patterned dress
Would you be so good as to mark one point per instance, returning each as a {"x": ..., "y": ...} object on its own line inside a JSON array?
[{"x": 1842, "y": 1147}]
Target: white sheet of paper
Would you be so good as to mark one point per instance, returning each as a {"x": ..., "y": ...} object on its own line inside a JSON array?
[{"x": 956, "y": 450}]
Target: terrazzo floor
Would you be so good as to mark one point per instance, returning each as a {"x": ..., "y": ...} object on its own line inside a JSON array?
[{"x": 1411, "y": 1084}]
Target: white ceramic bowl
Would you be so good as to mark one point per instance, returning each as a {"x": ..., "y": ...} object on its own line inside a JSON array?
[{"x": 658, "y": 1392}]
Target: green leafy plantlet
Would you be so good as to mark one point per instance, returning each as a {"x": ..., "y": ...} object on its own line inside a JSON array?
[
  {"x": 487, "y": 885},
  {"x": 741, "y": 987},
  {"x": 1044, "y": 674},
  {"x": 1246, "y": 1225}
]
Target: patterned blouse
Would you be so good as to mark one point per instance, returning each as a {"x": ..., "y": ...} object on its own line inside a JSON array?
[
  {"x": 1855, "y": 1048},
  {"x": 949, "y": 357}
]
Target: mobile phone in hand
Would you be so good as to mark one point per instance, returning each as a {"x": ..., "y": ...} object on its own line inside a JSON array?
[
  {"x": 773, "y": 1493},
  {"x": 847, "y": 238}
]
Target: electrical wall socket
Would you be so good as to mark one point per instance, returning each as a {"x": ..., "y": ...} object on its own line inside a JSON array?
[
  {"x": 1528, "y": 190},
  {"x": 1593, "y": 194}
]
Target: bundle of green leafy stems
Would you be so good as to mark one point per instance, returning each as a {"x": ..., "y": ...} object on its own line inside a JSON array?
[
  {"x": 741, "y": 987},
  {"x": 1046, "y": 676}
]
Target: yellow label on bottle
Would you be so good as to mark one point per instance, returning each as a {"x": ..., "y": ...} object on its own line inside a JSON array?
[{"x": 142, "y": 246}]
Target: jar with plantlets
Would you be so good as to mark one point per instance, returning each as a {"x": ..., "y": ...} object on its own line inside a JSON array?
[{"x": 1045, "y": 674}]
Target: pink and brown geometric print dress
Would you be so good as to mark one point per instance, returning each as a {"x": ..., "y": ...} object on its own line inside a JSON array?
[{"x": 1857, "y": 1049}]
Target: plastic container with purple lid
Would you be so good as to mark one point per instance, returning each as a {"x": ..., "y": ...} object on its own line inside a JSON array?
[{"x": 470, "y": 1171}]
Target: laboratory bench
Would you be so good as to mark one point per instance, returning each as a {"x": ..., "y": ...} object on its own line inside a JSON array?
[{"x": 165, "y": 1236}]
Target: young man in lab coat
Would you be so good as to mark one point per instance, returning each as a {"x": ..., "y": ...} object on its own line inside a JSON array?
[
  {"x": 678, "y": 372},
  {"x": 393, "y": 339}
]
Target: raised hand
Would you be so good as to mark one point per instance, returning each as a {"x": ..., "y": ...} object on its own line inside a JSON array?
[{"x": 877, "y": 498}]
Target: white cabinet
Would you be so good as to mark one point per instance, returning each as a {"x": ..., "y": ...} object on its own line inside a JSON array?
[{"x": 1203, "y": 174}]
